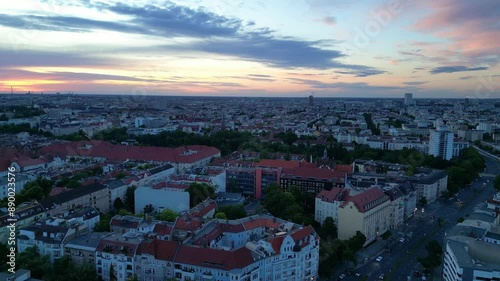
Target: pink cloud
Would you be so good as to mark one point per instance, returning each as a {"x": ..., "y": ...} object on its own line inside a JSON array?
[{"x": 471, "y": 27}]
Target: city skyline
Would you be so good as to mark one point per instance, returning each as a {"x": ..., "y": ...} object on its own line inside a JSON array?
[{"x": 228, "y": 48}]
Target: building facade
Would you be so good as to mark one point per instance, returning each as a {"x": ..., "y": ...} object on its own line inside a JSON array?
[{"x": 441, "y": 143}]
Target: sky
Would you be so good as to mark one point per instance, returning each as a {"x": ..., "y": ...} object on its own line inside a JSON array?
[{"x": 327, "y": 48}]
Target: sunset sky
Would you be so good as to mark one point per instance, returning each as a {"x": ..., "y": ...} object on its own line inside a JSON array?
[{"x": 332, "y": 48}]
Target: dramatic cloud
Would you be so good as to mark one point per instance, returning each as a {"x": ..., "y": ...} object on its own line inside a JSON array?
[
  {"x": 14, "y": 58},
  {"x": 457, "y": 68},
  {"x": 361, "y": 71},
  {"x": 222, "y": 35},
  {"x": 470, "y": 26}
]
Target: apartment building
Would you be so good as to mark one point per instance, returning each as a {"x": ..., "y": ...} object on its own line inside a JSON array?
[
  {"x": 115, "y": 255},
  {"x": 369, "y": 211},
  {"x": 49, "y": 236},
  {"x": 95, "y": 195},
  {"x": 472, "y": 254},
  {"x": 26, "y": 214},
  {"x": 260, "y": 247}
]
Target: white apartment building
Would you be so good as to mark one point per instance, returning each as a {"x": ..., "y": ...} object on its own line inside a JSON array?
[
  {"x": 441, "y": 143},
  {"x": 470, "y": 259}
]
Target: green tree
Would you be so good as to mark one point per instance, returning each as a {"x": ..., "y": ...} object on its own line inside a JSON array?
[
  {"x": 103, "y": 224},
  {"x": 130, "y": 199},
  {"x": 148, "y": 209},
  {"x": 112, "y": 274},
  {"x": 289, "y": 138},
  {"x": 221, "y": 215},
  {"x": 4, "y": 251},
  {"x": 118, "y": 204},
  {"x": 357, "y": 241},
  {"x": 199, "y": 192},
  {"x": 386, "y": 235},
  {"x": 233, "y": 212},
  {"x": 496, "y": 183},
  {"x": 422, "y": 201},
  {"x": 32, "y": 260},
  {"x": 134, "y": 277},
  {"x": 167, "y": 215},
  {"x": 434, "y": 256},
  {"x": 123, "y": 212},
  {"x": 329, "y": 228}
]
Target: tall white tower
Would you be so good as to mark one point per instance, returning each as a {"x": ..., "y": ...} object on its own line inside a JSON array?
[
  {"x": 408, "y": 99},
  {"x": 441, "y": 143}
]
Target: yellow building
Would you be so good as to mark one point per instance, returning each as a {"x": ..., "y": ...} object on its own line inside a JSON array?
[{"x": 368, "y": 212}]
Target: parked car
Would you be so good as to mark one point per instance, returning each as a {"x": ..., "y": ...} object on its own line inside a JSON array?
[
  {"x": 402, "y": 240},
  {"x": 381, "y": 276},
  {"x": 379, "y": 258}
]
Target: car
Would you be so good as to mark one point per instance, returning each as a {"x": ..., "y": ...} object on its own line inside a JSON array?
[
  {"x": 381, "y": 276},
  {"x": 401, "y": 240},
  {"x": 357, "y": 274},
  {"x": 379, "y": 258},
  {"x": 342, "y": 276}
]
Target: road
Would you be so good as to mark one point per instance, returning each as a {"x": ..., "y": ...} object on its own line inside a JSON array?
[{"x": 401, "y": 262}]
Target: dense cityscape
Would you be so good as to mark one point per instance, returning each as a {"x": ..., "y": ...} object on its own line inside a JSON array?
[
  {"x": 249, "y": 140},
  {"x": 207, "y": 188}
]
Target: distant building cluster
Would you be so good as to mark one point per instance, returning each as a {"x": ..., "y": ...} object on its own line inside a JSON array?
[{"x": 92, "y": 177}]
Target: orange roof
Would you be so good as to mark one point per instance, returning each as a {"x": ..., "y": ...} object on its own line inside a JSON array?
[
  {"x": 344, "y": 168},
  {"x": 214, "y": 258},
  {"x": 262, "y": 222},
  {"x": 96, "y": 148},
  {"x": 368, "y": 199}
]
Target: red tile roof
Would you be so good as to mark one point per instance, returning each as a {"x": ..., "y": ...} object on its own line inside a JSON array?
[
  {"x": 368, "y": 199},
  {"x": 276, "y": 243},
  {"x": 26, "y": 162},
  {"x": 344, "y": 168},
  {"x": 116, "y": 247},
  {"x": 170, "y": 185},
  {"x": 304, "y": 232},
  {"x": 161, "y": 249},
  {"x": 214, "y": 258},
  {"x": 9, "y": 155},
  {"x": 94, "y": 148},
  {"x": 162, "y": 229},
  {"x": 232, "y": 228},
  {"x": 332, "y": 195},
  {"x": 187, "y": 224},
  {"x": 262, "y": 222},
  {"x": 207, "y": 238},
  {"x": 211, "y": 205}
]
